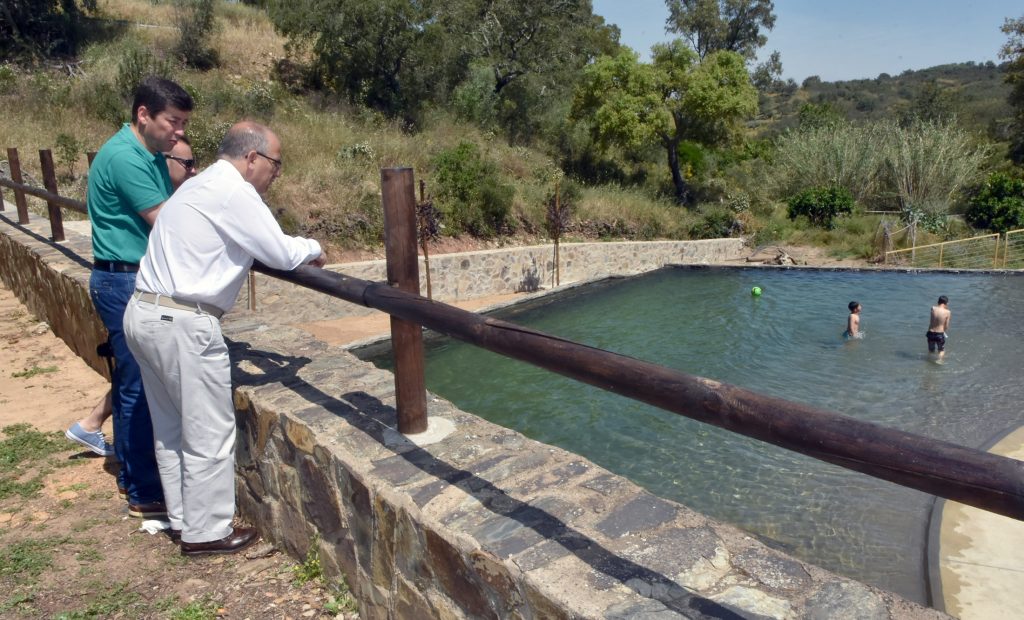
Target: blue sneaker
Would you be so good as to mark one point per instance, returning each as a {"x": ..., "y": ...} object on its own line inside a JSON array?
[{"x": 94, "y": 441}]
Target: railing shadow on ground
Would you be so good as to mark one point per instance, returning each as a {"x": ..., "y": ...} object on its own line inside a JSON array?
[{"x": 354, "y": 408}]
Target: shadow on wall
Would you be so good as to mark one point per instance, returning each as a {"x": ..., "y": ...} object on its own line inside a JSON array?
[
  {"x": 530, "y": 282},
  {"x": 373, "y": 417}
]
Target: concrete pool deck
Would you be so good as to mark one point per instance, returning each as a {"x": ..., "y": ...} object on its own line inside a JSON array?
[{"x": 977, "y": 569}]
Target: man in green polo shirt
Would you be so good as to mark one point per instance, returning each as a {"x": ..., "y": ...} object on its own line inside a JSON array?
[{"x": 128, "y": 183}]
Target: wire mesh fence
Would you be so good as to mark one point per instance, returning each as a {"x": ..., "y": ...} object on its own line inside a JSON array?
[
  {"x": 1013, "y": 249},
  {"x": 982, "y": 252}
]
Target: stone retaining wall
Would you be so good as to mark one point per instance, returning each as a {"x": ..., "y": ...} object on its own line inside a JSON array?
[
  {"x": 53, "y": 281},
  {"x": 471, "y": 275},
  {"x": 484, "y": 523}
]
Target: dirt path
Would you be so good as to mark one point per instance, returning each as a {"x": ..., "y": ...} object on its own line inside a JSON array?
[{"x": 70, "y": 547}]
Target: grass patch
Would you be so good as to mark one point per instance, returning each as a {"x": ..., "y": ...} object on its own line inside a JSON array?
[
  {"x": 19, "y": 601},
  {"x": 25, "y": 560},
  {"x": 203, "y": 609},
  {"x": 21, "y": 446},
  {"x": 28, "y": 373},
  {"x": 118, "y": 600}
]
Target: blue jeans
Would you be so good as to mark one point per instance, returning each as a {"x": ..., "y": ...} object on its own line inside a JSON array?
[{"x": 133, "y": 428}]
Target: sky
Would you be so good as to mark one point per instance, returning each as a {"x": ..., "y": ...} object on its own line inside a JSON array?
[{"x": 851, "y": 39}]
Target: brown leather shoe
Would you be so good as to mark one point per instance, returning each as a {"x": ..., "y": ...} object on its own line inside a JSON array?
[
  {"x": 238, "y": 539},
  {"x": 152, "y": 510}
]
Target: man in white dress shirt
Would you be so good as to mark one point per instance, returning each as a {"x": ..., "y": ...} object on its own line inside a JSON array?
[{"x": 199, "y": 254}]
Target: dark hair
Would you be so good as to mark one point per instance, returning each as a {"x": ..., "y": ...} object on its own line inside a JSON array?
[
  {"x": 157, "y": 94},
  {"x": 943, "y": 300},
  {"x": 853, "y": 305},
  {"x": 243, "y": 138}
]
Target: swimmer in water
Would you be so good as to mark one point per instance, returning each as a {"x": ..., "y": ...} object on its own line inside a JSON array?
[
  {"x": 853, "y": 322},
  {"x": 938, "y": 325}
]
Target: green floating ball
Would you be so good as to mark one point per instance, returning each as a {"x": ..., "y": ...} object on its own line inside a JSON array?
[{"x": 756, "y": 291}]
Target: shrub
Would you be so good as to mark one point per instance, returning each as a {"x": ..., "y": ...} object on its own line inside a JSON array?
[
  {"x": 717, "y": 222},
  {"x": 8, "y": 79},
  {"x": 471, "y": 195},
  {"x": 137, "y": 64},
  {"x": 205, "y": 135},
  {"x": 821, "y": 205},
  {"x": 839, "y": 154},
  {"x": 259, "y": 101},
  {"x": 101, "y": 100},
  {"x": 68, "y": 150},
  {"x": 196, "y": 23},
  {"x": 998, "y": 205}
]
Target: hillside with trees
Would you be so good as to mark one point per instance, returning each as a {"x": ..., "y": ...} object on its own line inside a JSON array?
[{"x": 499, "y": 105}]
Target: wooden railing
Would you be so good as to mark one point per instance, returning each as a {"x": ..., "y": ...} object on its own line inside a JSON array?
[
  {"x": 54, "y": 201},
  {"x": 974, "y": 477}
]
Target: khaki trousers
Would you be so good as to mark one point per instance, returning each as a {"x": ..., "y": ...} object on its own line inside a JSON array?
[{"x": 186, "y": 374}]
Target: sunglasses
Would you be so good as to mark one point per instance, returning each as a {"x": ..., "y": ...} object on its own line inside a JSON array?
[{"x": 188, "y": 164}]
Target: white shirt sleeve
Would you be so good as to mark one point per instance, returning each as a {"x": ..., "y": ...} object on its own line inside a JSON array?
[{"x": 247, "y": 221}]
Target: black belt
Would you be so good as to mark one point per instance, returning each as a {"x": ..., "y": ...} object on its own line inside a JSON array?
[{"x": 116, "y": 266}]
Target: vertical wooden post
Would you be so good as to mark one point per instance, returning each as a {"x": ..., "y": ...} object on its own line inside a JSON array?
[
  {"x": 558, "y": 235},
  {"x": 252, "y": 291},
  {"x": 942, "y": 246},
  {"x": 424, "y": 241},
  {"x": 50, "y": 182},
  {"x": 398, "y": 196},
  {"x": 19, "y": 196}
]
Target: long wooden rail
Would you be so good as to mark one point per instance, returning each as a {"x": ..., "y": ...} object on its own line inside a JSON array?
[{"x": 988, "y": 481}]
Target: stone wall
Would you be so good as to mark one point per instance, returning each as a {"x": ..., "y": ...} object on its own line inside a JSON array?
[
  {"x": 470, "y": 275},
  {"x": 483, "y": 523},
  {"x": 53, "y": 281}
]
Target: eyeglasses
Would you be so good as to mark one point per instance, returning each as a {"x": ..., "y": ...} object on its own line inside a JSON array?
[
  {"x": 275, "y": 162},
  {"x": 188, "y": 164}
]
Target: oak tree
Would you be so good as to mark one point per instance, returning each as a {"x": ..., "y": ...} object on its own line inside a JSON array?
[{"x": 674, "y": 99}]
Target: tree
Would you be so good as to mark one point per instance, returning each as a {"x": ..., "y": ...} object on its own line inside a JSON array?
[
  {"x": 532, "y": 51},
  {"x": 372, "y": 51},
  {"x": 196, "y": 24},
  {"x": 1013, "y": 52},
  {"x": 767, "y": 76},
  {"x": 672, "y": 100},
  {"x": 816, "y": 116},
  {"x": 722, "y": 25},
  {"x": 396, "y": 55},
  {"x": 523, "y": 37},
  {"x": 932, "y": 104},
  {"x": 42, "y": 27}
]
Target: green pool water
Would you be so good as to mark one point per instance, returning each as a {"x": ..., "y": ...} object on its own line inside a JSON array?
[{"x": 785, "y": 343}]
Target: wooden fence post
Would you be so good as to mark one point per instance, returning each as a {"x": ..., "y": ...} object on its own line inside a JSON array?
[
  {"x": 398, "y": 197},
  {"x": 19, "y": 195},
  {"x": 50, "y": 181}
]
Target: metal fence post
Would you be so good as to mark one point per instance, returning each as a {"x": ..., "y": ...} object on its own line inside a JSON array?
[
  {"x": 398, "y": 197},
  {"x": 50, "y": 181}
]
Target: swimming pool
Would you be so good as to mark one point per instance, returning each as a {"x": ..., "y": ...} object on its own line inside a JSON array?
[{"x": 785, "y": 343}]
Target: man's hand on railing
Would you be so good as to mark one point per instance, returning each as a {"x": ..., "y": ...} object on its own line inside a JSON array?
[{"x": 319, "y": 261}]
